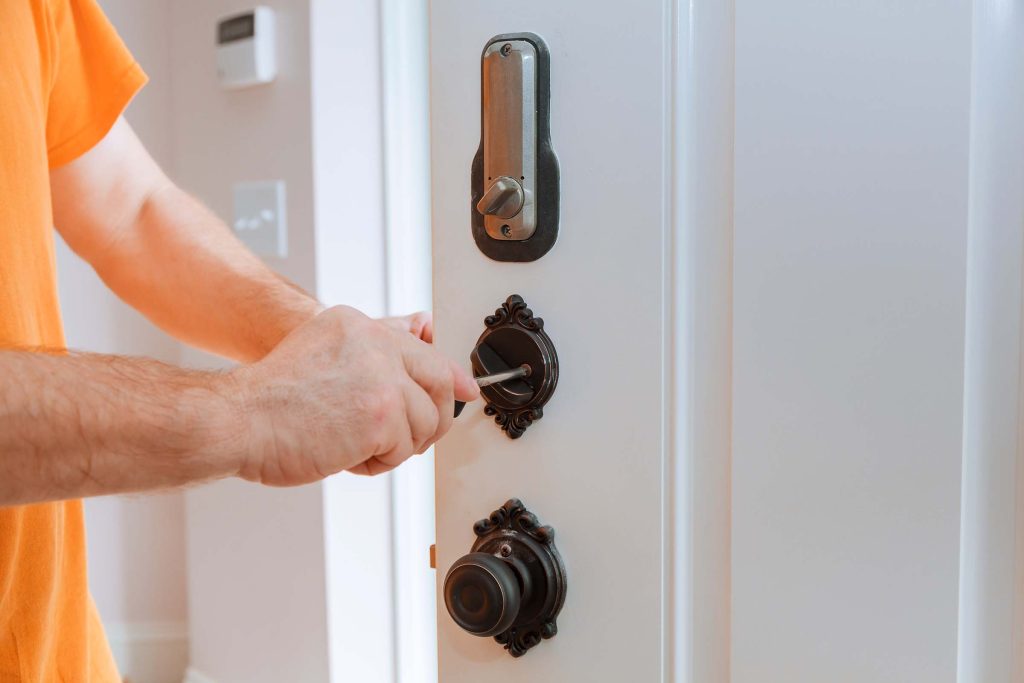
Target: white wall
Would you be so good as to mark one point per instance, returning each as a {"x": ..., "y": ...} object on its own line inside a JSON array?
[{"x": 136, "y": 544}]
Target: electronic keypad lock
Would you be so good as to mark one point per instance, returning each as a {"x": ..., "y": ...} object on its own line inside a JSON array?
[
  {"x": 515, "y": 171},
  {"x": 512, "y": 584}
]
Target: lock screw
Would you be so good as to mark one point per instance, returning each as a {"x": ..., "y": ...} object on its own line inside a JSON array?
[
  {"x": 506, "y": 231},
  {"x": 505, "y": 550},
  {"x": 506, "y": 49}
]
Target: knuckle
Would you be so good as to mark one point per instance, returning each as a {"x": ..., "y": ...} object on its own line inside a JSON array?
[
  {"x": 387, "y": 403},
  {"x": 434, "y": 423},
  {"x": 375, "y": 422}
]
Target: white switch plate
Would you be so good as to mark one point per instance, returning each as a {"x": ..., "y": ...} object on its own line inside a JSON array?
[{"x": 261, "y": 217}]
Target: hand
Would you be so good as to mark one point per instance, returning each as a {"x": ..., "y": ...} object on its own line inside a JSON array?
[{"x": 344, "y": 392}]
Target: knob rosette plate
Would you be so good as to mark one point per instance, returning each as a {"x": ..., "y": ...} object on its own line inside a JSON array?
[{"x": 512, "y": 585}]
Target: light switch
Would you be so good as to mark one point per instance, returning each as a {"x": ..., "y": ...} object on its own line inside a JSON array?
[{"x": 261, "y": 217}]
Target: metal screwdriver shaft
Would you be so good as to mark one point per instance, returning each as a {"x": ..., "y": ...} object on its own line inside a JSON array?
[
  {"x": 496, "y": 378},
  {"x": 506, "y": 375}
]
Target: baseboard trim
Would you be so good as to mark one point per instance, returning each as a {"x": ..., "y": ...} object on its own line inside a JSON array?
[
  {"x": 150, "y": 651},
  {"x": 192, "y": 675}
]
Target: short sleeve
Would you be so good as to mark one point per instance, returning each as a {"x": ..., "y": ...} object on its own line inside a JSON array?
[{"x": 93, "y": 78}]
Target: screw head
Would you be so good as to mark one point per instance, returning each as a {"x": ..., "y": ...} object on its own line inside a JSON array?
[
  {"x": 506, "y": 231},
  {"x": 506, "y": 49},
  {"x": 505, "y": 550}
]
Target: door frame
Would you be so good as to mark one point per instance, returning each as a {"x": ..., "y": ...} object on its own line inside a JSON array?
[{"x": 701, "y": 76}]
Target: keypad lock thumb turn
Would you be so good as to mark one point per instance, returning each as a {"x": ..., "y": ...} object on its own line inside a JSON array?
[
  {"x": 504, "y": 198},
  {"x": 512, "y": 584}
]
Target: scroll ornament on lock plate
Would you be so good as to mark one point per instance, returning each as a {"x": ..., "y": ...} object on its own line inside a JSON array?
[{"x": 515, "y": 338}]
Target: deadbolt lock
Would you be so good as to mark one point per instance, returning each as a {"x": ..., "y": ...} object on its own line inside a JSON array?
[
  {"x": 515, "y": 171},
  {"x": 514, "y": 338}
]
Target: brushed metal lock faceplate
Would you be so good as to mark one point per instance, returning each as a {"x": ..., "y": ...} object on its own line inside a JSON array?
[
  {"x": 510, "y": 140},
  {"x": 515, "y": 172}
]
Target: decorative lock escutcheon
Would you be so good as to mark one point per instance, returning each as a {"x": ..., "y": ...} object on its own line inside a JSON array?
[
  {"x": 512, "y": 585},
  {"x": 513, "y": 338}
]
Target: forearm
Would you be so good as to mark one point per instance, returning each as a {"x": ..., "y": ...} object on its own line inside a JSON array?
[
  {"x": 168, "y": 256},
  {"x": 184, "y": 269},
  {"x": 84, "y": 425}
]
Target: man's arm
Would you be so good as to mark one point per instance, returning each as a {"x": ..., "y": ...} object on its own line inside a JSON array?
[
  {"x": 168, "y": 256},
  {"x": 341, "y": 392},
  {"x": 326, "y": 392},
  {"x": 84, "y": 425}
]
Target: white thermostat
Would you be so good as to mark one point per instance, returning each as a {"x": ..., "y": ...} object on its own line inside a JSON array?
[{"x": 246, "y": 50}]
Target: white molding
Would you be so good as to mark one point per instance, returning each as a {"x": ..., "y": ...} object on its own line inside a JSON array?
[
  {"x": 406, "y": 109},
  {"x": 699, "y": 482},
  {"x": 991, "y": 613},
  {"x": 193, "y": 675},
  {"x": 348, "y": 162}
]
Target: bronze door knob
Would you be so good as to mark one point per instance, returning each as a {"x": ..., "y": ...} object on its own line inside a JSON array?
[
  {"x": 512, "y": 585},
  {"x": 482, "y": 594}
]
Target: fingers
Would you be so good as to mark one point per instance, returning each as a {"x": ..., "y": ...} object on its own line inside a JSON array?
[
  {"x": 423, "y": 326},
  {"x": 423, "y": 417},
  {"x": 430, "y": 370},
  {"x": 444, "y": 404},
  {"x": 371, "y": 467},
  {"x": 419, "y": 325},
  {"x": 465, "y": 386},
  {"x": 428, "y": 398}
]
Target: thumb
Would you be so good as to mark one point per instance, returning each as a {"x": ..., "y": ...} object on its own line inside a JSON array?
[{"x": 465, "y": 386}]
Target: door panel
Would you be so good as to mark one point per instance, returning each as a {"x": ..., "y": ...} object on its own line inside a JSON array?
[
  {"x": 850, "y": 233},
  {"x": 592, "y": 467},
  {"x": 824, "y": 335}
]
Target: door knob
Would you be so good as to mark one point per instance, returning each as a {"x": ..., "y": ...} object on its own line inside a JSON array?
[
  {"x": 513, "y": 337},
  {"x": 512, "y": 584},
  {"x": 504, "y": 198},
  {"x": 482, "y": 594}
]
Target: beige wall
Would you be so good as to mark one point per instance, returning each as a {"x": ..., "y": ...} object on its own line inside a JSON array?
[
  {"x": 292, "y": 584},
  {"x": 136, "y": 544},
  {"x": 268, "y": 584},
  {"x": 256, "y": 558}
]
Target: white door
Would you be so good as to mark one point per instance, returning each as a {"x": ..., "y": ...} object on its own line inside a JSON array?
[{"x": 751, "y": 459}]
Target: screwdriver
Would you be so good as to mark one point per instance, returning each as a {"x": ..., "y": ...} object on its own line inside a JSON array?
[{"x": 523, "y": 370}]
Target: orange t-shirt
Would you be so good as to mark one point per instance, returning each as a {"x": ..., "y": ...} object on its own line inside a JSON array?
[{"x": 65, "y": 77}]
